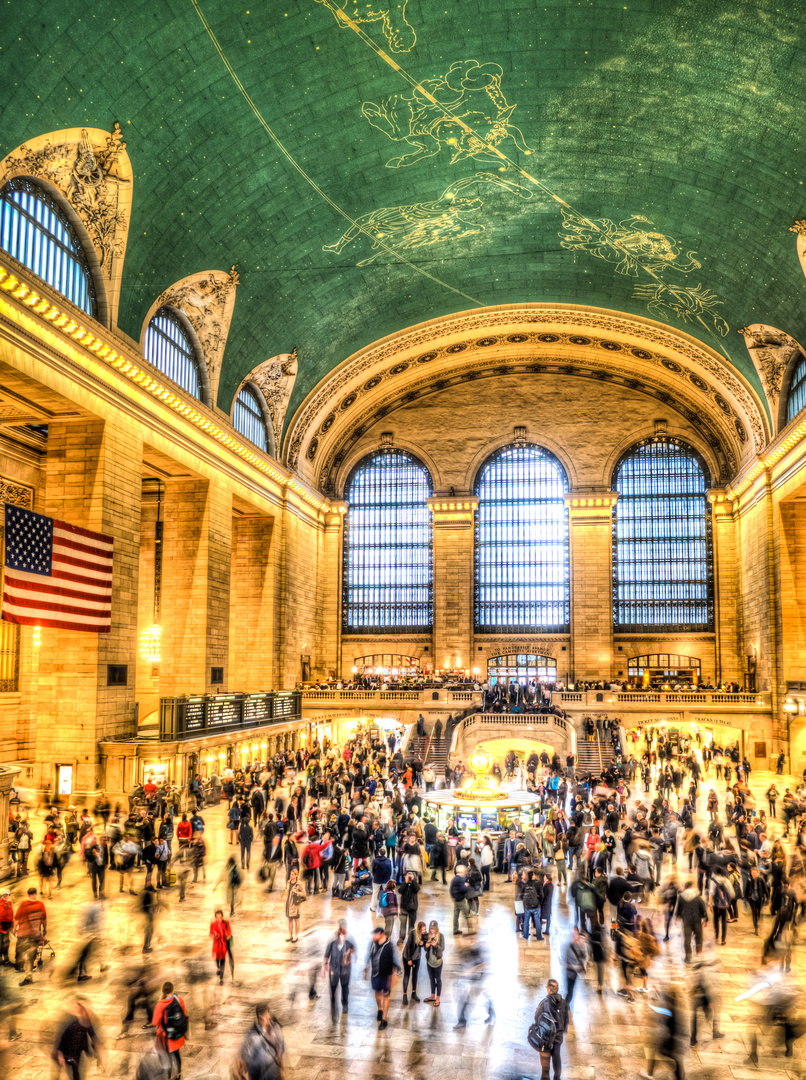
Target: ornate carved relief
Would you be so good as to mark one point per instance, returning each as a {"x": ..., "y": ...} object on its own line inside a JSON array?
[
  {"x": 206, "y": 300},
  {"x": 16, "y": 494},
  {"x": 275, "y": 379},
  {"x": 325, "y": 399},
  {"x": 92, "y": 171},
  {"x": 771, "y": 351}
]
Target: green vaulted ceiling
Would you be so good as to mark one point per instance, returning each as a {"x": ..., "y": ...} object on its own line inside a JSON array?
[{"x": 651, "y": 160}]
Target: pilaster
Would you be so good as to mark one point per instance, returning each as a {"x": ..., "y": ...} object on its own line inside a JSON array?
[
  {"x": 590, "y": 525},
  {"x": 453, "y": 539}
]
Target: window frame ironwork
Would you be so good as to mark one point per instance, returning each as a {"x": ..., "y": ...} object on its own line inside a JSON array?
[
  {"x": 522, "y": 672},
  {"x": 58, "y": 260},
  {"x": 797, "y": 390},
  {"x": 562, "y": 579},
  {"x": 422, "y": 622},
  {"x": 651, "y": 561},
  {"x": 254, "y": 421},
  {"x": 171, "y": 358}
]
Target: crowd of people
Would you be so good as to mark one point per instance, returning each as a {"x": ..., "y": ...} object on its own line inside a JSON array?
[{"x": 348, "y": 822}]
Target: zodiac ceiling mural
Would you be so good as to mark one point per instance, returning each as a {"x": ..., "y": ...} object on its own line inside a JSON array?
[{"x": 369, "y": 166}]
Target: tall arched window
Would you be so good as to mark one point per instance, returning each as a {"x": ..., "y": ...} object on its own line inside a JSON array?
[
  {"x": 522, "y": 575},
  {"x": 387, "y": 545},
  {"x": 247, "y": 418},
  {"x": 37, "y": 232},
  {"x": 662, "y": 553},
  {"x": 796, "y": 398},
  {"x": 169, "y": 347}
]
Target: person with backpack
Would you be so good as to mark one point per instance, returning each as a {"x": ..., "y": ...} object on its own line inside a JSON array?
[
  {"x": 532, "y": 900},
  {"x": 221, "y": 933},
  {"x": 719, "y": 901},
  {"x": 388, "y": 906},
  {"x": 381, "y": 873},
  {"x": 232, "y": 878},
  {"x": 171, "y": 1021},
  {"x": 547, "y": 1032}
]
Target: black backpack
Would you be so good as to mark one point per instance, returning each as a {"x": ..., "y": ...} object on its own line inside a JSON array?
[
  {"x": 531, "y": 897},
  {"x": 174, "y": 1019},
  {"x": 543, "y": 1032}
]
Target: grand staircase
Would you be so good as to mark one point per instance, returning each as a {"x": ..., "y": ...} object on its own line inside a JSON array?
[{"x": 594, "y": 756}]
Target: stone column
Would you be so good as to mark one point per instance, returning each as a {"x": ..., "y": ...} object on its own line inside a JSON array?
[
  {"x": 591, "y": 553},
  {"x": 251, "y": 642},
  {"x": 329, "y": 579},
  {"x": 197, "y": 542},
  {"x": 730, "y": 650},
  {"x": 453, "y": 523},
  {"x": 93, "y": 479}
]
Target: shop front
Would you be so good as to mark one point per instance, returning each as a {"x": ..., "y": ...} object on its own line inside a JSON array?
[
  {"x": 751, "y": 735},
  {"x": 520, "y": 809}
]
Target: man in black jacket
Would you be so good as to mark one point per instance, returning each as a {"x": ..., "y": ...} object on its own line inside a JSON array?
[
  {"x": 551, "y": 1024},
  {"x": 407, "y": 896},
  {"x": 384, "y": 967}
]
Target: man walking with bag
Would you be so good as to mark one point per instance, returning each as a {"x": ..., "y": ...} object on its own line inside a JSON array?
[{"x": 548, "y": 1031}]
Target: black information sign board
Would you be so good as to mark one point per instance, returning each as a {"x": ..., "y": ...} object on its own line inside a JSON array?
[
  {"x": 194, "y": 714},
  {"x": 257, "y": 709}
]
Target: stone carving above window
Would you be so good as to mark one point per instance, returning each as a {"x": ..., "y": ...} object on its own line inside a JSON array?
[
  {"x": 92, "y": 171},
  {"x": 275, "y": 379},
  {"x": 206, "y": 300},
  {"x": 772, "y": 352}
]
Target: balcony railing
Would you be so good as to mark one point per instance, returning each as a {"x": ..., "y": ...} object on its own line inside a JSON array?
[
  {"x": 212, "y": 714},
  {"x": 386, "y": 697},
  {"x": 645, "y": 698}
]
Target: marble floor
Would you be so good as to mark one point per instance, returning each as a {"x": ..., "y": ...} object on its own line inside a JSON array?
[{"x": 608, "y": 1037}]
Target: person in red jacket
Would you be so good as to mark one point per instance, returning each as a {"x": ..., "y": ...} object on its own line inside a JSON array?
[
  {"x": 30, "y": 927},
  {"x": 6, "y": 922},
  {"x": 169, "y": 1039},
  {"x": 184, "y": 831},
  {"x": 221, "y": 933}
]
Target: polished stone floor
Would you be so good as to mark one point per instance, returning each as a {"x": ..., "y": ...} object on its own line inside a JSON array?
[{"x": 608, "y": 1036}]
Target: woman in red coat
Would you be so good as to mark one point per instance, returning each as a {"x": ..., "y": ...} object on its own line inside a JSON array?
[
  {"x": 167, "y": 1021},
  {"x": 221, "y": 933}
]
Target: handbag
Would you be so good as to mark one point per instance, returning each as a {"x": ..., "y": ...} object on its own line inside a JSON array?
[{"x": 519, "y": 907}]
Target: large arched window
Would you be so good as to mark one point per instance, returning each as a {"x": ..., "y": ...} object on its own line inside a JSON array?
[
  {"x": 169, "y": 347},
  {"x": 387, "y": 545},
  {"x": 796, "y": 398},
  {"x": 37, "y": 232},
  {"x": 247, "y": 418},
  {"x": 662, "y": 555},
  {"x": 522, "y": 576}
]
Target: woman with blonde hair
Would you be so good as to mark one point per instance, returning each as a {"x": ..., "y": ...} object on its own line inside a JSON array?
[{"x": 295, "y": 896}]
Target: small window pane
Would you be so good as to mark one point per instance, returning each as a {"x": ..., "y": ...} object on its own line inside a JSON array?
[
  {"x": 247, "y": 418},
  {"x": 387, "y": 546},
  {"x": 796, "y": 400},
  {"x": 36, "y": 231},
  {"x": 169, "y": 348},
  {"x": 522, "y": 571},
  {"x": 662, "y": 552}
]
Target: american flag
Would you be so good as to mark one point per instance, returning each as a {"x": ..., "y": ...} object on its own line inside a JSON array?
[{"x": 56, "y": 574}]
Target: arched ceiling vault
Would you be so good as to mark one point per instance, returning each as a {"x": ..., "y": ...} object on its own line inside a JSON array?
[
  {"x": 367, "y": 167},
  {"x": 537, "y": 341}
]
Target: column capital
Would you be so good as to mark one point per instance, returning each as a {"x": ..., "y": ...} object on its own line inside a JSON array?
[
  {"x": 453, "y": 512},
  {"x": 591, "y": 504},
  {"x": 721, "y": 506}
]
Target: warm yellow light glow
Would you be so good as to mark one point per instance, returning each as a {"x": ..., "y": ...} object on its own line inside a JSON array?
[{"x": 150, "y": 642}]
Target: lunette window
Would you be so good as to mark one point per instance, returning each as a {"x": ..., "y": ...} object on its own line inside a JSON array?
[
  {"x": 36, "y": 231},
  {"x": 169, "y": 348},
  {"x": 247, "y": 418},
  {"x": 387, "y": 545},
  {"x": 662, "y": 549},
  {"x": 521, "y": 569}
]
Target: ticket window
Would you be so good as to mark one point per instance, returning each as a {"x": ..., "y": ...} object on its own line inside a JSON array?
[{"x": 64, "y": 779}]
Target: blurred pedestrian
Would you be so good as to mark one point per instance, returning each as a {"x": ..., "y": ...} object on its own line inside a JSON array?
[
  {"x": 382, "y": 967},
  {"x": 262, "y": 1050},
  {"x": 340, "y": 954},
  {"x": 171, "y": 1021}
]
